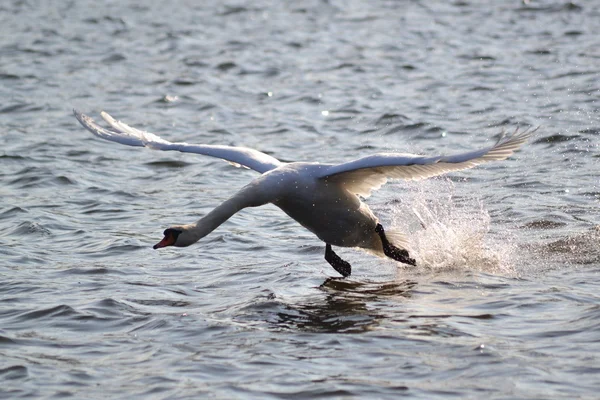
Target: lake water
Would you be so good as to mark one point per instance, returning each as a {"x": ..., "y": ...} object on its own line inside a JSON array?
[{"x": 505, "y": 302}]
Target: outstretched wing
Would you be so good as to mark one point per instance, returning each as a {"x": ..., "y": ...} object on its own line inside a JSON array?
[
  {"x": 369, "y": 173},
  {"x": 124, "y": 134}
]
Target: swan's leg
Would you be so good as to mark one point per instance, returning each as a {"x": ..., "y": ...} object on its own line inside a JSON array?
[
  {"x": 392, "y": 251},
  {"x": 341, "y": 266}
]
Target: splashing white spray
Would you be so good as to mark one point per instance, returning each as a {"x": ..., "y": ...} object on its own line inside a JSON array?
[{"x": 449, "y": 232}]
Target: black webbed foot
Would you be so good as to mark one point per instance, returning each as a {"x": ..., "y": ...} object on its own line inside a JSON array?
[
  {"x": 341, "y": 266},
  {"x": 392, "y": 251}
]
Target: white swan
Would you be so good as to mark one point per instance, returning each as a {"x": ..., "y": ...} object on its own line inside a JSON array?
[{"x": 324, "y": 198}]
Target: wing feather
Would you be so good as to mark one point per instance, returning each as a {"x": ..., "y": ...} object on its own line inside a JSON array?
[
  {"x": 369, "y": 173},
  {"x": 125, "y": 134}
]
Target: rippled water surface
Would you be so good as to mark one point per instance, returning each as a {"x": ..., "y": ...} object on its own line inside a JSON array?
[{"x": 505, "y": 301}]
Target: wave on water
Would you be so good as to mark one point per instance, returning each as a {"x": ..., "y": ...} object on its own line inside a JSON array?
[
  {"x": 448, "y": 232},
  {"x": 578, "y": 248}
]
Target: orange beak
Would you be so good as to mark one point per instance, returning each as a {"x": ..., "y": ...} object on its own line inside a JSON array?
[{"x": 168, "y": 240}]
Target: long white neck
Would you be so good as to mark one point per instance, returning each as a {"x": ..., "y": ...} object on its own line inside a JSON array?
[{"x": 211, "y": 221}]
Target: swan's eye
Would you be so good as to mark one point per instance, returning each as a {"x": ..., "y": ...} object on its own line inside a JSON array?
[{"x": 172, "y": 231}]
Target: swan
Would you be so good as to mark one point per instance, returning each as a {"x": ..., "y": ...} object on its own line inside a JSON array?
[{"x": 326, "y": 199}]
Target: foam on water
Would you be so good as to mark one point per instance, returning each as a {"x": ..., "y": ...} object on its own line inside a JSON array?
[{"x": 448, "y": 232}]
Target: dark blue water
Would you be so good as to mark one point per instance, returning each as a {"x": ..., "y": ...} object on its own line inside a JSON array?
[{"x": 504, "y": 303}]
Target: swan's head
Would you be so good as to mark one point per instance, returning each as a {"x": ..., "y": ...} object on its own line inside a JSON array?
[{"x": 178, "y": 236}]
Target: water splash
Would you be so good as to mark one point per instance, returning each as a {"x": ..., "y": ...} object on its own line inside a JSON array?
[{"x": 450, "y": 232}]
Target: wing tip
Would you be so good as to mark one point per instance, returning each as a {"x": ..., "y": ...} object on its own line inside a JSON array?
[
  {"x": 84, "y": 120},
  {"x": 517, "y": 138},
  {"x": 105, "y": 115},
  {"x": 78, "y": 114}
]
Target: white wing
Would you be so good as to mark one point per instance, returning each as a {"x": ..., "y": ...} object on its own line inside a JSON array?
[
  {"x": 124, "y": 134},
  {"x": 366, "y": 174}
]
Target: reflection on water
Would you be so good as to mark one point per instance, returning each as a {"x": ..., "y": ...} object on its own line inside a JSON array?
[{"x": 345, "y": 308}]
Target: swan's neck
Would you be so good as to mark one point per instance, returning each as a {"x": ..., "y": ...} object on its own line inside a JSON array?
[{"x": 219, "y": 215}]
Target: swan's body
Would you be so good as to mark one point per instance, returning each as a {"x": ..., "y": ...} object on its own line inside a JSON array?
[
  {"x": 324, "y": 198},
  {"x": 335, "y": 215}
]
